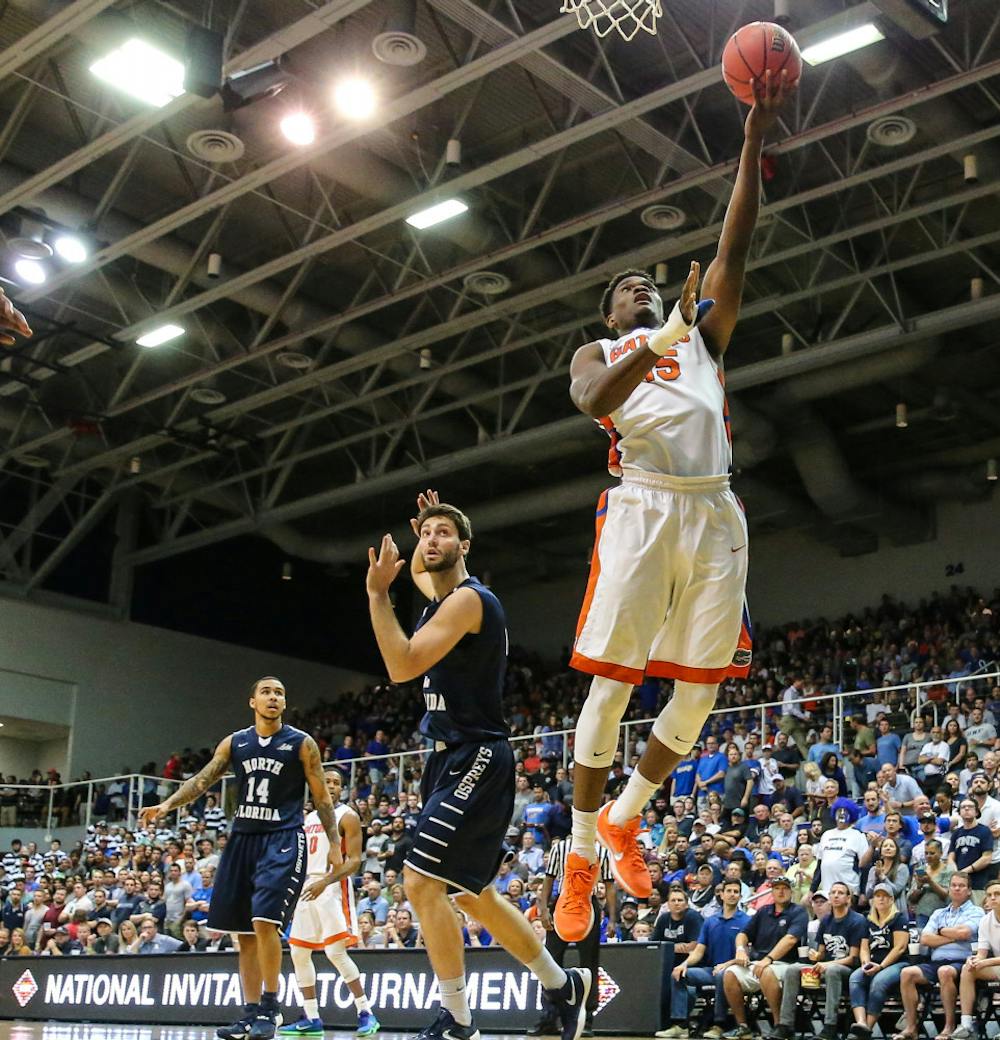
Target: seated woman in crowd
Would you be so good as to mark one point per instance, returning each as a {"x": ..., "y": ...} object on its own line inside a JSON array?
[
  {"x": 675, "y": 870},
  {"x": 829, "y": 768},
  {"x": 802, "y": 872},
  {"x": 889, "y": 869},
  {"x": 128, "y": 937},
  {"x": 958, "y": 746},
  {"x": 883, "y": 957}
]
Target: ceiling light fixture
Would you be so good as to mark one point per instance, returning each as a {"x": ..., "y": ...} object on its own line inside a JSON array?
[
  {"x": 142, "y": 71},
  {"x": 30, "y": 271},
  {"x": 991, "y": 469},
  {"x": 157, "y": 337},
  {"x": 435, "y": 214},
  {"x": 355, "y": 98},
  {"x": 902, "y": 418},
  {"x": 71, "y": 248},
  {"x": 843, "y": 43},
  {"x": 299, "y": 128}
]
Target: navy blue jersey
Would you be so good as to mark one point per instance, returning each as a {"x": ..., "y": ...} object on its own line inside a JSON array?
[
  {"x": 464, "y": 690},
  {"x": 271, "y": 780}
]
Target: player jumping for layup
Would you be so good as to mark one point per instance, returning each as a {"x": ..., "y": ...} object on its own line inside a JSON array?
[
  {"x": 460, "y": 647},
  {"x": 326, "y": 918},
  {"x": 260, "y": 875},
  {"x": 666, "y": 590}
]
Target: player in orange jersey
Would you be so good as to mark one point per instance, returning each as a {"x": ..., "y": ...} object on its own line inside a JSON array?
[{"x": 667, "y": 581}]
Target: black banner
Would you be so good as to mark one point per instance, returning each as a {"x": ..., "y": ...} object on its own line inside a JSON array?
[{"x": 204, "y": 989}]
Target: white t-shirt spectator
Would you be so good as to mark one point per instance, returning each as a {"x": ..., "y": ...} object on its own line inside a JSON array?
[
  {"x": 769, "y": 769},
  {"x": 936, "y": 750},
  {"x": 73, "y": 904},
  {"x": 839, "y": 853},
  {"x": 989, "y": 935},
  {"x": 981, "y": 738},
  {"x": 989, "y": 816},
  {"x": 176, "y": 895}
]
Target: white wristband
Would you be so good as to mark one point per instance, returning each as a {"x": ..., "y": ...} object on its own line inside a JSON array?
[{"x": 676, "y": 327}]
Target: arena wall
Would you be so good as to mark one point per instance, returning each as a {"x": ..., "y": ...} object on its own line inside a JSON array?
[
  {"x": 792, "y": 576},
  {"x": 133, "y": 692}
]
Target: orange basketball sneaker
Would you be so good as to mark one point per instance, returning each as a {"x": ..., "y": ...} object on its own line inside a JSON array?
[
  {"x": 574, "y": 916},
  {"x": 627, "y": 863}
]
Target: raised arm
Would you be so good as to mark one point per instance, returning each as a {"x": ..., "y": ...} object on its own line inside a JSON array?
[
  {"x": 597, "y": 389},
  {"x": 191, "y": 789},
  {"x": 418, "y": 572},
  {"x": 322, "y": 802},
  {"x": 406, "y": 658},
  {"x": 725, "y": 275}
]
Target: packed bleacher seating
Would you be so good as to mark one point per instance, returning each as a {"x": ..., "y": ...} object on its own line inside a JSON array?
[{"x": 777, "y": 832}]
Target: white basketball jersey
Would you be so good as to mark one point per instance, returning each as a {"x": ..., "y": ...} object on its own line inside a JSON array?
[
  {"x": 318, "y": 843},
  {"x": 676, "y": 421}
]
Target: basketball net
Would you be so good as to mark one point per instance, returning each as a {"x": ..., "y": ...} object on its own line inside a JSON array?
[{"x": 606, "y": 16}]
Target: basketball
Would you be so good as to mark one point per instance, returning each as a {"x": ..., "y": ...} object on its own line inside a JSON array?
[{"x": 754, "y": 49}]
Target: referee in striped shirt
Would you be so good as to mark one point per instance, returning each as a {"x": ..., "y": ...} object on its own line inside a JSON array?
[{"x": 588, "y": 950}]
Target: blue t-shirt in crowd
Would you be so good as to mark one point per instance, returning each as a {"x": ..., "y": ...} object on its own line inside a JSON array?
[
  {"x": 836, "y": 937},
  {"x": 709, "y": 765},
  {"x": 817, "y": 751},
  {"x": 874, "y": 822},
  {"x": 887, "y": 749},
  {"x": 536, "y": 815},
  {"x": 967, "y": 845},
  {"x": 683, "y": 777},
  {"x": 718, "y": 936}
]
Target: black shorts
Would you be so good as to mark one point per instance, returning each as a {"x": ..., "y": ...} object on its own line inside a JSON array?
[
  {"x": 259, "y": 878},
  {"x": 930, "y": 970},
  {"x": 468, "y": 798}
]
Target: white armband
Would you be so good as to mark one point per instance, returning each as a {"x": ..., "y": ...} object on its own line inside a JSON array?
[{"x": 676, "y": 327}]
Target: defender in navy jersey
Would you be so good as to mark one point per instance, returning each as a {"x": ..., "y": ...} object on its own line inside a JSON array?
[
  {"x": 262, "y": 869},
  {"x": 467, "y": 790}
]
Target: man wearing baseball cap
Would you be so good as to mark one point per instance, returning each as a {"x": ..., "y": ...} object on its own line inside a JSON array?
[
  {"x": 834, "y": 957},
  {"x": 106, "y": 940},
  {"x": 765, "y": 950}
]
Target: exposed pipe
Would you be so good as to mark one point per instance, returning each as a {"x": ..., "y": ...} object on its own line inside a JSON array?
[
  {"x": 831, "y": 485},
  {"x": 936, "y": 485}
]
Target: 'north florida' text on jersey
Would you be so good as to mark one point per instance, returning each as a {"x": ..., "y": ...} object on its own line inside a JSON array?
[
  {"x": 271, "y": 780},
  {"x": 463, "y": 692}
]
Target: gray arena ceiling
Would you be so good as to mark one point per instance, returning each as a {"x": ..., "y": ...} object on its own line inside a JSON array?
[{"x": 344, "y": 360}]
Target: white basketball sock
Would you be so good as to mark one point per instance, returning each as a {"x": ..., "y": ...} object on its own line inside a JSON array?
[
  {"x": 584, "y": 841},
  {"x": 455, "y": 999},
  {"x": 547, "y": 971},
  {"x": 311, "y": 1008},
  {"x": 632, "y": 800}
]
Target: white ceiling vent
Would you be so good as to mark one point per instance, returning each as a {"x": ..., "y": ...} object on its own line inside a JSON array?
[
  {"x": 208, "y": 395},
  {"x": 891, "y": 131},
  {"x": 397, "y": 47},
  {"x": 662, "y": 218},
  {"x": 486, "y": 283},
  {"x": 293, "y": 359},
  {"x": 215, "y": 146}
]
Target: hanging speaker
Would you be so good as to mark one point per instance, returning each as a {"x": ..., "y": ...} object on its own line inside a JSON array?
[{"x": 203, "y": 75}]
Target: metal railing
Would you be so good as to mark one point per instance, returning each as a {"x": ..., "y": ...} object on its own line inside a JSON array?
[{"x": 132, "y": 789}]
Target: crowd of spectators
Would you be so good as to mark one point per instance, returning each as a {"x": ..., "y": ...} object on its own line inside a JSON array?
[{"x": 769, "y": 811}]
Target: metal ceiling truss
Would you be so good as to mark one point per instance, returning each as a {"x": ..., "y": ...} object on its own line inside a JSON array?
[{"x": 260, "y": 458}]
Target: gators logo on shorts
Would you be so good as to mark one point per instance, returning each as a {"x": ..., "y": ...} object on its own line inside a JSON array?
[{"x": 742, "y": 657}]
